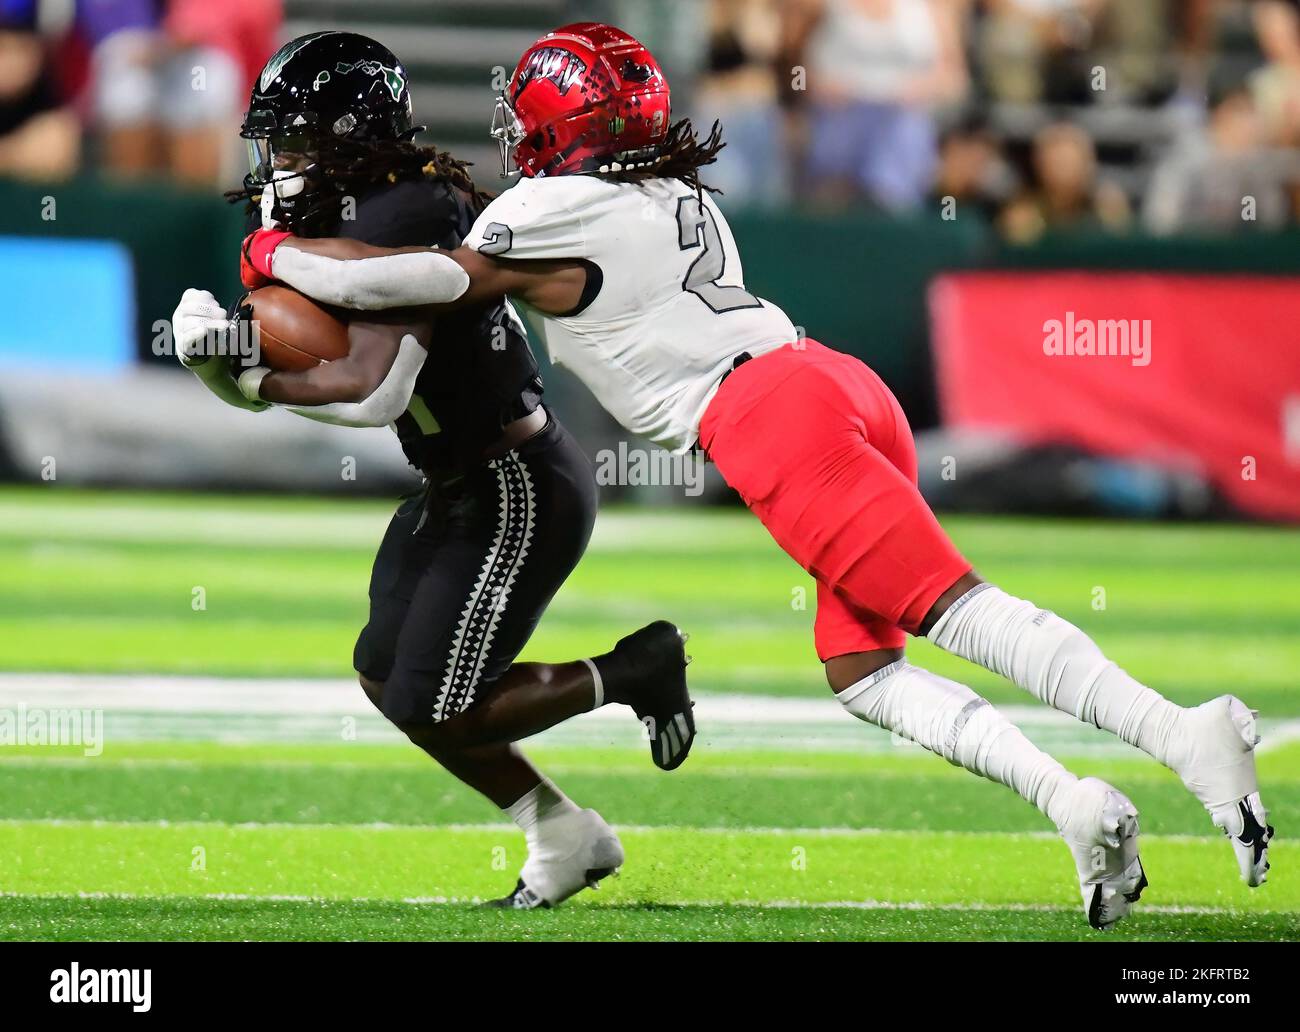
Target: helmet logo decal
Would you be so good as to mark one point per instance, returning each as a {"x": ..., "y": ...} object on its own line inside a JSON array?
[
  {"x": 321, "y": 79},
  {"x": 607, "y": 105},
  {"x": 555, "y": 63},
  {"x": 393, "y": 78},
  {"x": 284, "y": 55}
]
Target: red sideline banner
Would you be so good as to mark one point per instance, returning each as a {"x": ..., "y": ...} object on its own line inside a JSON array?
[{"x": 1197, "y": 372}]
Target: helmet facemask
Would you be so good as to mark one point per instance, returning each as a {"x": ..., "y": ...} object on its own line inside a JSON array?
[
  {"x": 283, "y": 169},
  {"x": 507, "y": 130}
]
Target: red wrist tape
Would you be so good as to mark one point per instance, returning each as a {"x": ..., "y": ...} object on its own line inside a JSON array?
[
  {"x": 258, "y": 250},
  {"x": 248, "y": 276}
]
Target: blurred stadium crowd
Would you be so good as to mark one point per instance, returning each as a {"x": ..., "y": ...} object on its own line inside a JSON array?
[
  {"x": 154, "y": 85},
  {"x": 1041, "y": 114}
]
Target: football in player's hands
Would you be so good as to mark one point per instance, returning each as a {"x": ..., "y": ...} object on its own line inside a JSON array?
[{"x": 294, "y": 333}]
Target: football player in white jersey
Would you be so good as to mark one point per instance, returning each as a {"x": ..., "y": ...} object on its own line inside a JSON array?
[{"x": 627, "y": 272}]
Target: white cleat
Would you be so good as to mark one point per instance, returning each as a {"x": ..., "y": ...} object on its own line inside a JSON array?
[
  {"x": 1102, "y": 833},
  {"x": 1215, "y": 756},
  {"x": 573, "y": 851}
]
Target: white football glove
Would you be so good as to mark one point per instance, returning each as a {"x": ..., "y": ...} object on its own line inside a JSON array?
[{"x": 198, "y": 319}]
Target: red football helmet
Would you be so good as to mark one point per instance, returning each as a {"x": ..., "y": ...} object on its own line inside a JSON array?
[{"x": 582, "y": 98}]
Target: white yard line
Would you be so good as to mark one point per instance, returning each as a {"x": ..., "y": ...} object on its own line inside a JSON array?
[
  {"x": 147, "y": 707},
  {"x": 775, "y": 904},
  {"x": 343, "y": 526},
  {"x": 630, "y": 829},
  {"x": 343, "y": 697},
  {"x": 1276, "y": 735}
]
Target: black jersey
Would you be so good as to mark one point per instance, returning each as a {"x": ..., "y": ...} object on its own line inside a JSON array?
[{"x": 480, "y": 373}]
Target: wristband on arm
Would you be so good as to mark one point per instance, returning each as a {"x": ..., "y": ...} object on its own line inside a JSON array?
[
  {"x": 217, "y": 377},
  {"x": 250, "y": 384},
  {"x": 257, "y": 254}
]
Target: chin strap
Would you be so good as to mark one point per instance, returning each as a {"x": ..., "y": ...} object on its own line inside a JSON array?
[{"x": 278, "y": 196}]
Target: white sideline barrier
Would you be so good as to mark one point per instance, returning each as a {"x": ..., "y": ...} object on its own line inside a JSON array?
[{"x": 161, "y": 428}]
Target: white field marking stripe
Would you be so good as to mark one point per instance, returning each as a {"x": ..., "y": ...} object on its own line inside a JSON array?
[
  {"x": 630, "y": 829},
  {"x": 1276, "y": 735},
  {"x": 238, "y": 696},
  {"x": 774, "y": 904},
  {"x": 343, "y": 526},
  {"x": 601, "y": 767},
  {"x": 632, "y": 767},
  {"x": 343, "y": 697},
  {"x": 820, "y": 721},
  {"x": 844, "y": 741},
  {"x": 83, "y": 528},
  {"x": 636, "y": 764}
]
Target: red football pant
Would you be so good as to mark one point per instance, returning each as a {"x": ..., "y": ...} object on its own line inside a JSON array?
[{"x": 820, "y": 451}]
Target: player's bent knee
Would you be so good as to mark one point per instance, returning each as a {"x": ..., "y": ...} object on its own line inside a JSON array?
[
  {"x": 963, "y": 584},
  {"x": 441, "y": 738},
  {"x": 462, "y": 731},
  {"x": 845, "y": 671},
  {"x": 428, "y": 725}
]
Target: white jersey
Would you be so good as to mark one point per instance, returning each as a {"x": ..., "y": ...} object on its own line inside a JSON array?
[{"x": 671, "y": 314}]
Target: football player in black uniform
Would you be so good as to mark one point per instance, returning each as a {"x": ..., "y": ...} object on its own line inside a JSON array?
[{"x": 467, "y": 565}]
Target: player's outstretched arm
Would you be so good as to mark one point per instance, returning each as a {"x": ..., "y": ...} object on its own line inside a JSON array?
[
  {"x": 371, "y": 386},
  {"x": 350, "y": 274},
  {"x": 354, "y": 275}
]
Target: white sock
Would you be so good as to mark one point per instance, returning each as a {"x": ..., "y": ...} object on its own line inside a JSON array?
[
  {"x": 1057, "y": 663},
  {"x": 949, "y": 719},
  {"x": 534, "y": 806}
]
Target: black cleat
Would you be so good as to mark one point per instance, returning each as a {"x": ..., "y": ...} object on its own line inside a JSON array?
[
  {"x": 653, "y": 662},
  {"x": 523, "y": 898}
]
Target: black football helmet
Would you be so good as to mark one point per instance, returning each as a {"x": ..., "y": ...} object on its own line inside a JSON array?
[{"x": 322, "y": 86}]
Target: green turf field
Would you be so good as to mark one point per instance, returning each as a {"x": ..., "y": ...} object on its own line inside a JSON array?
[{"x": 275, "y": 805}]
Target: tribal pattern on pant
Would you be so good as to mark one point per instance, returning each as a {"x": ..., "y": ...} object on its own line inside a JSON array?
[{"x": 472, "y": 642}]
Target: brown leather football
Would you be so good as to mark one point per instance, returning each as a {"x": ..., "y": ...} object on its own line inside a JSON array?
[{"x": 293, "y": 331}]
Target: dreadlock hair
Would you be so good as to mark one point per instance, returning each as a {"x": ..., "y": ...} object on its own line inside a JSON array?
[
  {"x": 680, "y": 156},
  {"x": 347, "y": 168}
]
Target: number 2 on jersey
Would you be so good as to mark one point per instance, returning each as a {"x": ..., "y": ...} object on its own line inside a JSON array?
[{"x": 696, "y": 227}]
